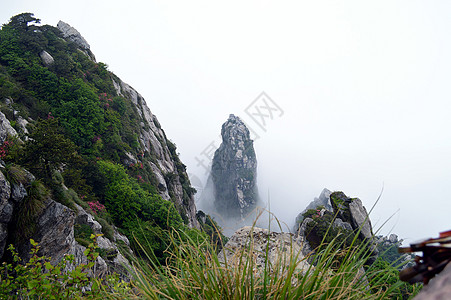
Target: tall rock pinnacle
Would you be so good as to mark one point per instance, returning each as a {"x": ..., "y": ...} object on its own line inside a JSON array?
[{"x": 234, "y": 171}]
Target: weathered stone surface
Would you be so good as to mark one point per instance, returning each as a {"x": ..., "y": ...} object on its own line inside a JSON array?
[
  {"x": 439, "y": 288},
  {"x": 121, "y": 237},
  {"x": 234, "y": 171},
  {"x": 277, "y": 247},
  {"x": 301, "y": 237},
  {"x": 322, "y": 200},
  {"x": 360, "y": 218},
  {"x": 87, "y": 219},
  {"x": 341, "y": 224},
  {"x": 351, "y": 210},
  {"x": 393, "y": 238},
  {"x": 153, "y": 140},
  {"x": 3, "y": 237},
  {"x": 54, "y": 232},
  {"x": 47, "y": 59},
  {"x": 72, "y": 34},
  {"x": 5, "y": 193},
  {"x": 18, "y": 192},
  {"x": 5, "y": 128},
  {"x": 22, "y": 126}
]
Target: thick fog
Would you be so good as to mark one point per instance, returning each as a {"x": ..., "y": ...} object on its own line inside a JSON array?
[{"x": 358, "y": 96}]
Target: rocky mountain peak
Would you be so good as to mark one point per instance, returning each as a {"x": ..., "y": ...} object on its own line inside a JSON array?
[
  {"x": 234, "y": 171},
  {"x": 73, "y": 35}
]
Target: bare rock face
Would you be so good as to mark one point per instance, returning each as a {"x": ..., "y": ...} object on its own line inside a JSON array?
[
  {"x": 169, "y": 172},
  {"x": 5, "y": 128},
  {"x": 6, "y": 211},
  {"x": 351, "y": 210},
  {"x": 278, "y": 248},
  {"x": 54, "y": 232},
  {"x": 234, "y": 171},
  {"x": 72, "y": 34},
  {"x": 47, "y": 59}
]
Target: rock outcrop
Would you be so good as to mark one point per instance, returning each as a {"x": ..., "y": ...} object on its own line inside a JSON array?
[
  {"x": 337, "y": 210},
  {"x": 351, "y": 210},
  {"x": 73, "y": 35},
  {"x": 322, "y": 200},
  {"x": 276, "y": 247},
  {"x": 234, "y": 171},
  {"x": 47, "y": 59},
  {"x": 167, "y": 169}
]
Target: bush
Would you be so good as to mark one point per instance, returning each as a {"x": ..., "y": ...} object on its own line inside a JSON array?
[
  {"x": 38, "y": 279},
  {"x": 30, "y": 207}
]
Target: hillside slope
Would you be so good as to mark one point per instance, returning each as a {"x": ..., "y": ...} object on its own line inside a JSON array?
[{"x": 88, "y": 138}]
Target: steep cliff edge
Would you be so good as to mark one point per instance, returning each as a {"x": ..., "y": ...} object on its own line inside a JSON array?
[
  {"x": 98, "y": 155},
  {"x": 234, "y": 171}
]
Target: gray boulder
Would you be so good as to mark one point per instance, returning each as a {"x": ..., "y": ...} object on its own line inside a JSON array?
[
  {"x": 47, "y": 59},
  {"x": 54, "y": 232},
  {"x": 276, "y": 247},
  {"x": 5, "y": 128},
  {"x": 339, "y": 223},
  {"x": 360, "y": 218}
]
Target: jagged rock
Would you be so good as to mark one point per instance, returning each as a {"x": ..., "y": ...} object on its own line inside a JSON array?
[
  {"x": 322, "y": 200},
  {"x": 5, "y": 128},
  {"x": 5, "y": 193},
  {"x": 339, "y": 223},
  {"x": 3, "y": 238},
  {"x": 84, "y": 218},
  {"x": 18, "y": 192},
  {"x": 121, "y": 237},
  {"x": 360, "y": 218},
  {"x": 73, "y": 35},
  {"x": 351, "y": 210},
  {"x": 54, "y": 232},
  {"x": 22, "y": 126},
  {"x": 154, "y": 141},
  {"x": 301, "y": 236},
  {"x": 393, "y": 238},
  {"x": 234, "y": 171},
  {"x": 47, "y": 59},
  {"x": 6, "y": 211},
  {"x": 278, "y": 248}
]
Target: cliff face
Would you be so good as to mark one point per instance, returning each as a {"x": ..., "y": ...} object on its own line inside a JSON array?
[
  {"x": 168, "y": 173},
  {"x": 105, "y": 120},
  {"x": 234, "y": 171},
  {"x": 167, "y": 169}
]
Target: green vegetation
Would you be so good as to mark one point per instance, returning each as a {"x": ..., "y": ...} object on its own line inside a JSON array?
[
  {"x": 38, "y": 279},
  {"x": 81, "y": 134},
  {"x": 79, "y": 140}
]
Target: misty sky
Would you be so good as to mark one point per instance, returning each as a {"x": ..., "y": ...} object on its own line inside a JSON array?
[{"x": 361, "y": 90}]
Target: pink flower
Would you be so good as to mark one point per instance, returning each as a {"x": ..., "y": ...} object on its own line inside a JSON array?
[{"x": 96, "y": 207}]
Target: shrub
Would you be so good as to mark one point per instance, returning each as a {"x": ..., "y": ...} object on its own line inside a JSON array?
[
  {"x": 30, "y": 207},
  {"x": 38, "y": 279}
]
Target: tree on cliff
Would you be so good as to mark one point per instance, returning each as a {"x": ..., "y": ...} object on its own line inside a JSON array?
[{"x": 47, "y": 149}]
